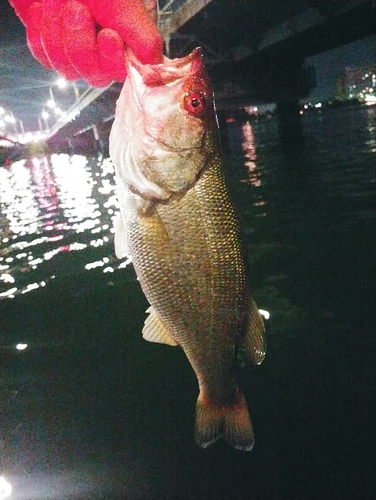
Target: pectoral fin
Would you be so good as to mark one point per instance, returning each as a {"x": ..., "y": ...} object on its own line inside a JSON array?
[
  {"x": 253, "y": 345},
  {"x": 154, "y": 329},
  {"x": 121, "y": 239}
]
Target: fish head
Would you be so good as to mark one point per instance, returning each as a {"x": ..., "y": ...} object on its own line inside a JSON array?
[{"x": 164, "y": 126}]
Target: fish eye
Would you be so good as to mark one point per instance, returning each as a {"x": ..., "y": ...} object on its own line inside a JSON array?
[{"x": 194, "y": 103}]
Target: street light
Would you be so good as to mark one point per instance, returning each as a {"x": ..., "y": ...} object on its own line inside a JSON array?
[
  {"x": 45, "y": 117},
  {"x": 51, "y": 103},
  {"x": 62, "y": 83},
  {"x": 10, "y": 118}
]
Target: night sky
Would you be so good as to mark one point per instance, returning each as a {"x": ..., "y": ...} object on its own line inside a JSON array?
[
  {"x": 19, "y": 72},
  {"x": 329, "y": 65}
]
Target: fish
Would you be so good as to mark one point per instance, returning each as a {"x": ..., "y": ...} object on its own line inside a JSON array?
[{"x": 180, "y": 228}]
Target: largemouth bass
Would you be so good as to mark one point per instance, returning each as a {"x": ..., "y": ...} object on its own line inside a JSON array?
[{"x": 180, "y": 228}]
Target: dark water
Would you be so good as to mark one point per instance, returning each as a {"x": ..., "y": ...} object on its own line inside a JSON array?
[{"x": 91, "y": 410}]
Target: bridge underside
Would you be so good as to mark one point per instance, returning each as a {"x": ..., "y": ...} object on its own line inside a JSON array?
[
  {"x": 260, "y": 42},
  {"x": 254, "y": 50}
]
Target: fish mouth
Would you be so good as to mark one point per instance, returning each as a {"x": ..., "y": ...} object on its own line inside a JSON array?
[
  {"x": 156, "y": 165},
  {"x": 169, "y": 70},
  {"x": 168, "y": 74}
]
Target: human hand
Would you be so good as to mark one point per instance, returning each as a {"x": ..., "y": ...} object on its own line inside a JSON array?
[{"x": 63, "y": 36}]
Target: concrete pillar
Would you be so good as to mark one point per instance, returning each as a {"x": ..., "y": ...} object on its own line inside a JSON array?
[
  {"x": 296, "y": 80},
  {"x": 290, "y": 124}
]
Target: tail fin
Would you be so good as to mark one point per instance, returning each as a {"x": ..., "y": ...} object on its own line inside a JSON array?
[{"x": 230, "y": 422}]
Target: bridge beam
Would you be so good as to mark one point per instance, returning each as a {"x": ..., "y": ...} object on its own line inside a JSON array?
[{"x": 171, "y": 21}]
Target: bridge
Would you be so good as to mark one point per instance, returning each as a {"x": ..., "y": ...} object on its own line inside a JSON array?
[{"x": 255, "y": 52}]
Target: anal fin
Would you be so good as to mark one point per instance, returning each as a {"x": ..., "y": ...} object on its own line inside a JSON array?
[{"x": 154, "y": 329}]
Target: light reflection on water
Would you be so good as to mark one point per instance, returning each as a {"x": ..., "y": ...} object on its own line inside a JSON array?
[
  {"x": 249, "y": 148},
  {"x": 52, "y": 206}
]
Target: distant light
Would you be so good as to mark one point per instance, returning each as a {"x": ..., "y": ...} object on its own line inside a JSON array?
[
  {"x": 264, "y": 313},
  {"x": 2, "y": 110},
  {"x": 51, "y": 103},
  {"x": 318, "y": 105},
  {"x": 28, "y": 136},
  {"x": 370, "y": 100},
  {"x": 21, "y": 347},
  {"x": 5, "y": 488},
  {"x": 58, "y": 111},
  {"x": 45, "y": 115}
]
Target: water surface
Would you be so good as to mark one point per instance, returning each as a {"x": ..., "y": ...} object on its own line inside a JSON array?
[{"x": 91, "y": 410}]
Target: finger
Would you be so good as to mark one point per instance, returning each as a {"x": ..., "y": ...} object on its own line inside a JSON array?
[
  {"x": 33, "y": 26},
  {"x": 52, "y": 36},
  {"x": 111, "y": 54},
  {"x": 80, "y": 43},
  {"x": 22, "y": 8},
  {"x": 131, "y": 20}
]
